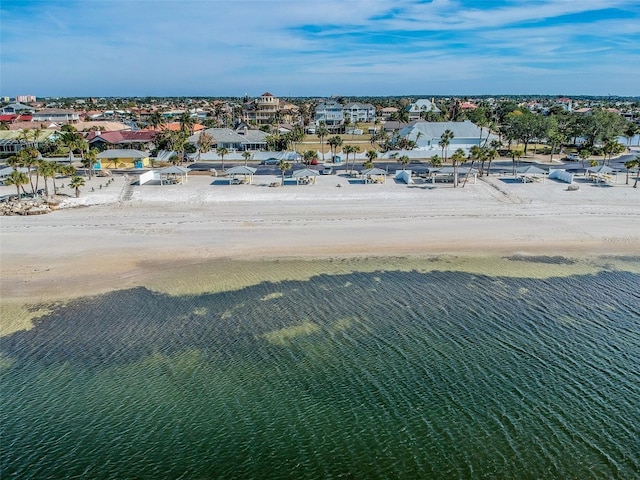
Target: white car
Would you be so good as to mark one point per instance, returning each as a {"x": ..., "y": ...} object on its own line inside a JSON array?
[
  {"x": 573, "y": 157},
  {"x": 326, "y": 171}
]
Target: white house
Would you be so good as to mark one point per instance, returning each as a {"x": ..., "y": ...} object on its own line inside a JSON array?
[
  {"x": 56, "y": 115},
  {"x": 241, "y": 140},
  {"x": 359, "y": 112},
  {"x": 427, "y": 135},
  {"x": 419, "y": 106},
  {"x": 330, "y": 113}
]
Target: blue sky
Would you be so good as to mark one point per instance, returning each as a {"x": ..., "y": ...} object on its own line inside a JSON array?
[{"x": 319, "y": 48}]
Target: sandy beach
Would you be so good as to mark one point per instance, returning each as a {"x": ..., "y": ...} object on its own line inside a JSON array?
[{"x": 122, "y": 236}]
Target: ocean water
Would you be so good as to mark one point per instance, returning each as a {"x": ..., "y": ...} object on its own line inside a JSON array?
[{"x": 362, "y": 375}]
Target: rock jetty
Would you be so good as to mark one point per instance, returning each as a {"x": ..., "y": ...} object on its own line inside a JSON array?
[{"x": 29, "y": 206}]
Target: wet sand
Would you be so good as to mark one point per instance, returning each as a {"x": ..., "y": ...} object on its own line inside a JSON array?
[{"x": 205, "y": 235}]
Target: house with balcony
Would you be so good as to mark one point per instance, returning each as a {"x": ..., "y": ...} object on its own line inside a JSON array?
[
  {"x": 262, "y": 110},
  {"x": 419, "y": 107},
  {"x": 356, "y": 112},
  {"x": 58, "y": 115},
  {"x": 266, "y": 109},
  {"x": 331, "y": 114}
]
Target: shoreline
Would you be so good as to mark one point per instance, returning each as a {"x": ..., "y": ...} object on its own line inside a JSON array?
[{"x": 217, "y": 236}]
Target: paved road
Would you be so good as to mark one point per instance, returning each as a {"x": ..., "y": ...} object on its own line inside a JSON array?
[{"x": 504, "y": 166}]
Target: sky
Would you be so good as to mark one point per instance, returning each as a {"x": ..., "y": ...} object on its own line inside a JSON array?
[{"x": 319, "y": 48}]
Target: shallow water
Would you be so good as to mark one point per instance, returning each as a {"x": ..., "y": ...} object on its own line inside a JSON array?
[{"x": 384, "y": 374}]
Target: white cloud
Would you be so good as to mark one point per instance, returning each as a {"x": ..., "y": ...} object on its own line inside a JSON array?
[{"x": 226, "y": 47}]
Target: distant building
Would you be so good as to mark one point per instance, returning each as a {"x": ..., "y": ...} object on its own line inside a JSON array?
[
  {"x": 420, "y": 106},
  {"x": 468, "y": 106},
  {"x": 56, "y": 115},
  {"x": 25, "y": 98},
  {"x": 331, "y": 114},
  {"x": 359, "y": 112},
  {"x": 16, "y": 108},
  {"x": 387, "y": 112},
  {"x": 12, "y": 141},
  {"x": 268, "y": 109},
  {"x": 122, "y": 139}
]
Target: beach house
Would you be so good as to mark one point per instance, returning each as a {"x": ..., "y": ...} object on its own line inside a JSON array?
[
  {"x": 359, "y": 112},
  {"x": 127, "y": 139},
  {"x": 58, "y": 115},
  {"x": 420, "y": 107},
  {"x": 232, "y": 140},
  {"x": 330, "y": 114},
  {"x": 122, "y": 158},
  {"x": 427, "y": 135}
]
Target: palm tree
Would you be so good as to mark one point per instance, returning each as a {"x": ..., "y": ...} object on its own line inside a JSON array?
[
  {"x": 322, "y": 132},
  {"x": 436, "y": 161},
  {"x": 515, "y": 153},
  {"x": 355, "y": 151},
  {"x": 379, "y": 138},
  {"x": 76, "y": 182},
  {"x": 283, "y": 165},
  {"x": 187, "y": 122},
  {"x": 246, "y": 155},
  {"x": 18, "y": 179},
  {"x": 90, "y": 160},
  {"x": 445, "y": 141},
  {"x": 296, "y": 135},
  {"x": 457, "y": 157},
  {"x": 629, "y": 165},
  {"x": 371, "y": 156},
  {"x": 368, "y": 164},
  {"x": 334, "y": 142},
  {"x": 402, "y": 115},
  {"x": 475, "y": 153},
  {"x": 348, "y": 149},
  {"x": 155, "y": 120},
  {"x": 404, "y": 160},
  {"x": 179, "y": 142},
  {"x": 28, "y": 157},
  {"x": 222, "y": 151},
  {"x": 47, "y": 170},
  {"x": 309, "y": 156},
  {"x": 490, "y": 155}
]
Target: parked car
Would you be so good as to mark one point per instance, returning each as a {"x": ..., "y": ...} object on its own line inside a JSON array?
[
  {"x": 573, "y": 157},
  {"x": 270, "y": 161},
  {"x": 326, "y": 171}
]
